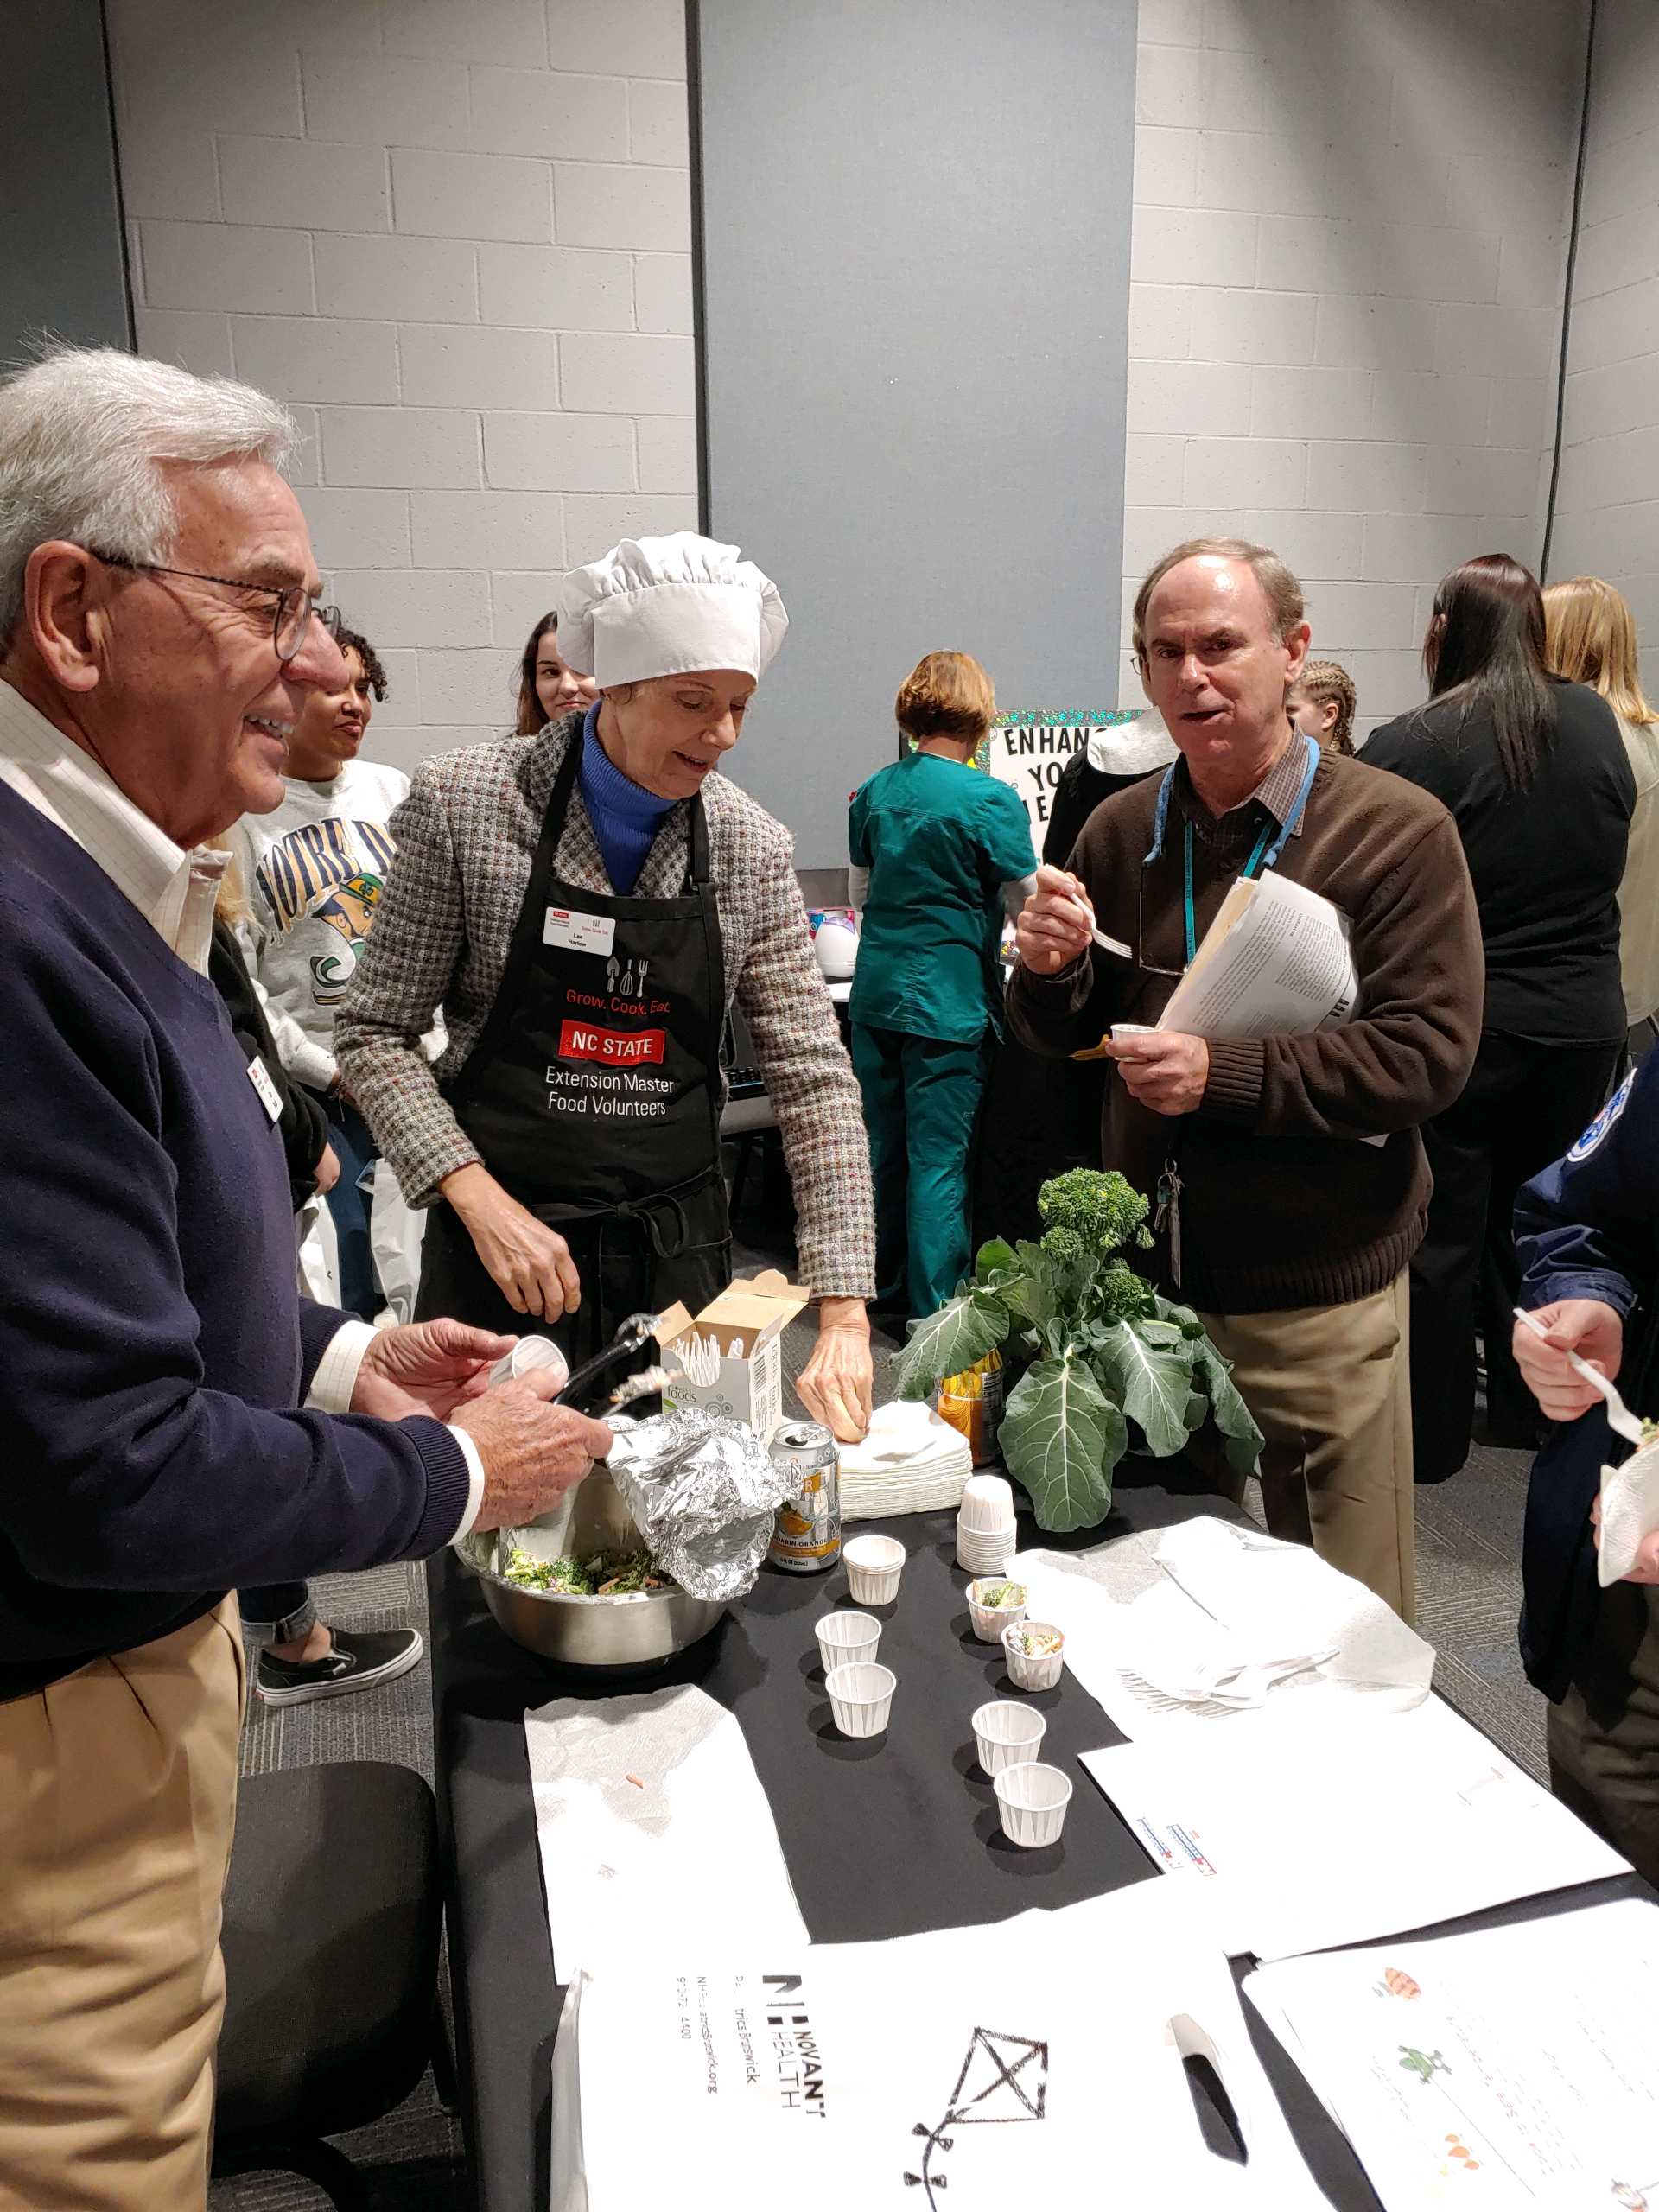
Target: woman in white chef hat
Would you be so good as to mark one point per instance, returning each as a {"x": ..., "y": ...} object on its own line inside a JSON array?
[{"x": 584, "y": 906}]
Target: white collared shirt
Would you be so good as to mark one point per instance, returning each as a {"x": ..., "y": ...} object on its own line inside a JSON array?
[{"x": 62, "y": 781}]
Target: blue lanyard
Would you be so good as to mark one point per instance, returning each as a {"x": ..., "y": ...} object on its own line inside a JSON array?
[{"x": 1265, "y": 855}]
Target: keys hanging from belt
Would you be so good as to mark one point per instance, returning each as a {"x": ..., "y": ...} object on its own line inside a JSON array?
[{"x": 1167, "y": 1218}]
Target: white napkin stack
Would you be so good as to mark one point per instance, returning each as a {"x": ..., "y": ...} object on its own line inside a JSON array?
[{"x": 911, "y": 1462}]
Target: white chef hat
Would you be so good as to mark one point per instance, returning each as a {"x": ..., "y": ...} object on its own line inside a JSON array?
[{"x": 665, "y": 606}]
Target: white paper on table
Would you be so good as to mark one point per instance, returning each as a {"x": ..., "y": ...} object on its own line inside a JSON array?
[
  {"x": 1630, "y": 1512},
  {"x": 1514, "y": 2067},
  {"x": 974, "y": 2066},
  {"x": 648, "y": 1810},
  {"x": 1143, "y": 1610},
  {"x": 1299, "y": 1840}
]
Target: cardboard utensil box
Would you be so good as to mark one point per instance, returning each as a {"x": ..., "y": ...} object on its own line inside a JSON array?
[{"x": 742, "y": 1331}]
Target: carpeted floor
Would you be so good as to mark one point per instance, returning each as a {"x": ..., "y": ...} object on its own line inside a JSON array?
[{"x": 1469, "y": 1585}]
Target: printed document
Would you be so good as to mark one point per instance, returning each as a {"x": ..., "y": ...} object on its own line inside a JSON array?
[
  {"x": 1297, "y": 1840},
  {"x": 1502, "y": 2071},
  {"x": 1277, "y": 961}
]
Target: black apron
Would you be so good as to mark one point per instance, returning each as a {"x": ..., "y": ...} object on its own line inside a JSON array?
[{"x": 593, "y": 1096}]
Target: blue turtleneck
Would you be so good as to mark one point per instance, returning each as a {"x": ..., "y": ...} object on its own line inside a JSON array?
[{"x": 626, "y": 819}]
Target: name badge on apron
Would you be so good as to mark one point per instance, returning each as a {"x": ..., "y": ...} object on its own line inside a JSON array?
[
  {"x": 578, "y": 932},
  {"x": 259, "y": 1077}
]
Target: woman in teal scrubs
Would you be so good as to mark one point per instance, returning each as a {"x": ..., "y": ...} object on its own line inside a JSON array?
[{"x": 939, "y": 851}]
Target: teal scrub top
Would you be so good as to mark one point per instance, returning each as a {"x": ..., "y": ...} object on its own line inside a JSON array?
[{"x": 939, "y": 840}]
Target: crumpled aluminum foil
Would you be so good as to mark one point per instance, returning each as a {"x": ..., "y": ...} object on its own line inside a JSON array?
[{"x": 704, "y": 1492}]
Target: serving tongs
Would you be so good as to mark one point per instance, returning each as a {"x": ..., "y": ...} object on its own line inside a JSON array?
[
  {"x": 1620, "y": 1419},
  {"x": 636, "y": 1330}
]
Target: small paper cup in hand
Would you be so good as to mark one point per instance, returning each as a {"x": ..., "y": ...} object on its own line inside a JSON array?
[
  {"x": 845, "y": 1639},
  {"x": 1007, "y": 1735},
  {"x": 860, "y": 1697},
  {"x": 1030, "y": 1801},
  {"x": 990, "y": 1620},
  {"x": 528, "y": 1353},
  {"x": 873, "y": 1565},
  {"x": 1033, "y": 1670}
]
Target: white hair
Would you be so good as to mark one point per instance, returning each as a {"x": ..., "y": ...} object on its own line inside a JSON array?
[{"x": 82, "y": 434}]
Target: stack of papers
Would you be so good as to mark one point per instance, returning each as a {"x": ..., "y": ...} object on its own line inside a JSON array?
[
  {"x": 1293, "y": 1840},
  {"x": 1511, "y": 2068},
  {"x": 911, "y": 1462},
  {"x": 1277, "y": 960},
  {"x": 975, "y": 2066}
]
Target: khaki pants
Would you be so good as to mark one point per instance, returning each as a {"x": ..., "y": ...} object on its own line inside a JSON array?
[
  {"x": 1604, "y": 1735},
  {"x": 1331, "y": 1389},
  {"x": 118, "y": 1797}
]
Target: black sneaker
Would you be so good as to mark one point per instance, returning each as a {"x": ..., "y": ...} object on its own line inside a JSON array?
[{"x": 356, "y": 1662}]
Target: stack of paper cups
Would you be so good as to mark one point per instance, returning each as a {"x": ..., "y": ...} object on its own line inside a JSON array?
[{"x": 985, "y": 1528}]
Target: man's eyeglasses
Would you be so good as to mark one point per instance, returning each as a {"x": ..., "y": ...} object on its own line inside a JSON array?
[{"x": 291, "y": 612}]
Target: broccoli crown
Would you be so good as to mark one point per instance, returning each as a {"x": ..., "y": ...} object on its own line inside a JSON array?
[
  {"x": 1124, "y": 1295},
  {"x": 1103, "y": 1208},
  {"x": 1063, "y": 1244}
]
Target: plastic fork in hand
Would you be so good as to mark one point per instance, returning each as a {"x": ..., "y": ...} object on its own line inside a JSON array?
[{"x": 1620, "y": 1419}]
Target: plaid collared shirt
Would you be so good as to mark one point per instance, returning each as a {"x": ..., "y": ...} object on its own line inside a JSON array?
[
  {"x": 1274, "y": 795},
  {"x": 465, "y": 837}
]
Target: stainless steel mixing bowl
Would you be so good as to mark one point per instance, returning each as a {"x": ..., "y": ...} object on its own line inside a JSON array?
[{"x": 642, "y": 1629}]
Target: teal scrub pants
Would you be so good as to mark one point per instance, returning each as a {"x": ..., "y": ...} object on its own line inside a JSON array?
[{"x": 921, "y": 1098}]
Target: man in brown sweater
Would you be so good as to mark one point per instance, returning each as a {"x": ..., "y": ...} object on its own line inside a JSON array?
[{"x": 1288, "y": 1233}]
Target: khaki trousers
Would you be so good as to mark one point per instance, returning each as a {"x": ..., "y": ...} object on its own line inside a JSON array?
[
  {"x": 118, "y": 1797},
  {"x": 1331, "y": 1389}
]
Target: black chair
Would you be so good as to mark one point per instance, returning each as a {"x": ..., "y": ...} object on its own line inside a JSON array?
[{"x": 332, "y": 1915}]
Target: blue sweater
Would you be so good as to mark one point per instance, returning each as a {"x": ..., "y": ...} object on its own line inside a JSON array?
[
  {"x": 152, "y": 1340},
  {"x": 626, "y": 818}
]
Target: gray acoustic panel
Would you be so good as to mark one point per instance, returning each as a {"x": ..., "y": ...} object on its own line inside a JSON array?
[
  {"x": 913, "y": 258},
  {"x": 62, "y": 261}
]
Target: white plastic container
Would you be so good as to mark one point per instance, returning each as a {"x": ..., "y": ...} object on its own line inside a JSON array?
[
  {"x": 860, "y": 1697},
  {"x": 1037, "y": 1671},
  {"x": 1031, "y": 1801},
  {"x": 1007, "y": 1735},
  {"x": 847, "y": 1639},
  {"x": 873, "y": 1565},
  {"x": 990, "y": 1620}
]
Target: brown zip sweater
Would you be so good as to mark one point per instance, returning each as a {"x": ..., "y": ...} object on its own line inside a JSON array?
[{"x": 1281, "y": 1205}]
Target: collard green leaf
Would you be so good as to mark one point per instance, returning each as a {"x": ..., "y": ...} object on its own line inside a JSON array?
[
  {"x": 1061, "y": 1437},
  {"x": 1239, "y": 1434},
  {"x": 948, "y": 1341},
  {"x": 993, "y": 1256},
  {"x": 1152, "y": 1380}
]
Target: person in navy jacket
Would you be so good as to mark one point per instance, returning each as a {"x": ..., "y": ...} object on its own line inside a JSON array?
[
  {"x": 1587, "y": 1238},
  {"x": 179, "y": 1423}
]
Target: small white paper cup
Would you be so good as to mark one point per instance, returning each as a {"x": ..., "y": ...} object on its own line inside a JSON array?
[
  {"x": 1033, "y": 1670},
  {"x": 531, "y": 1353},
  {"x": 987, "y": 1504},
  {"x": 986, "y": 1551},
  {"x": 990, "y": 1620},
  {"x": 1031, "y": 1801},
  {"x": 847, "y": 1639},
  {"x": 860, "y": 1697},
  {"x": 1133, "y": 1029},
  {"x": 1007, "y": 1735},
  {"x": 873, "y": 1565}
]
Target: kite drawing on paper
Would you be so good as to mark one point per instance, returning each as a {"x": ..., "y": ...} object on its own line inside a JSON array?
[{"x": 1002, "y": 2081}]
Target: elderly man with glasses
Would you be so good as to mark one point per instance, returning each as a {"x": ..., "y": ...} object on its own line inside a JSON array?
[
  {"x": 173, "y": 1409},
  {"x": 1291, "y": 1181}
]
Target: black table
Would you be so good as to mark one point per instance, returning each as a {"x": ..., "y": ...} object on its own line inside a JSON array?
[{"x": 882, "y": 1839}]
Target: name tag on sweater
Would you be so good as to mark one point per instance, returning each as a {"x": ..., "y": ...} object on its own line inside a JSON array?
[
  {"x": 579, "y": 932},
  {"x": 259, "y": 1077}
]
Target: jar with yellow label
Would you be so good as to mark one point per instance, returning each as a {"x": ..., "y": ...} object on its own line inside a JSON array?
[{"x": 972, "y": 1403}]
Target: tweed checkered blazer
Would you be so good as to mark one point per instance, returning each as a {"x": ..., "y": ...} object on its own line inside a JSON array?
[{"x": 465, "y": 836}]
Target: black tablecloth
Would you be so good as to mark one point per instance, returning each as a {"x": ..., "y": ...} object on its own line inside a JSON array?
[{"x": 885, "y": 1837}]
